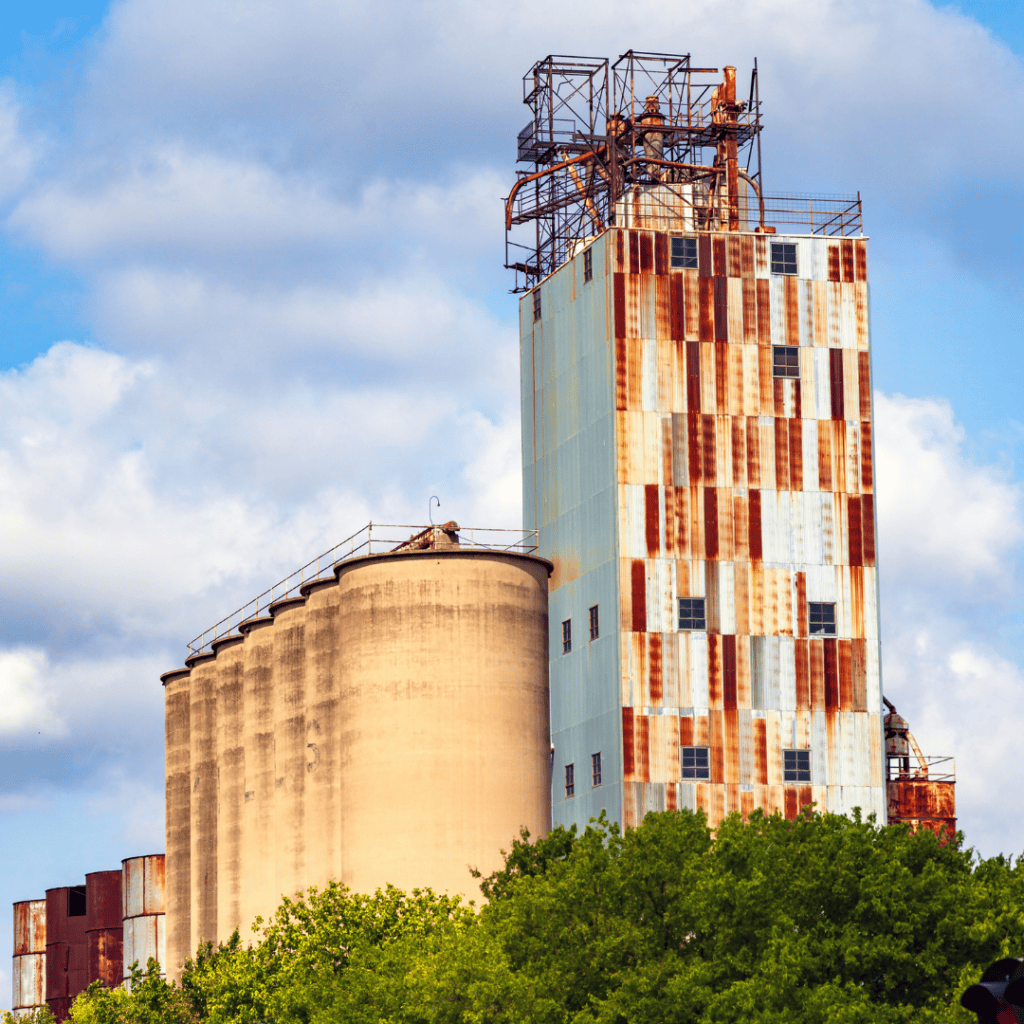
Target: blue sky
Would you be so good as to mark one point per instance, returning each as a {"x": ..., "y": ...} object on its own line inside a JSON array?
[{"x": 251, "y": 296}]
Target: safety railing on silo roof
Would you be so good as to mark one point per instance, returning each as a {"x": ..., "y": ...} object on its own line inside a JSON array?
[{"x": 355, "y": 546}]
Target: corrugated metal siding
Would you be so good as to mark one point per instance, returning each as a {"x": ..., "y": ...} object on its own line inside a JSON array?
[
  {"x": 755, "y": 493},
  {"x": 143, "y": 908},
  {"x": 568, "y": 401},
  {"x": 29, "y": 963},
  {"x": 656, "y": 388}
]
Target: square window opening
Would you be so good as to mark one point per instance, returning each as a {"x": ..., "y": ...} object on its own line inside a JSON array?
[
  {"x": 821, "y": 618},
  {"x": 536, "y": 304},
  {"x": 567, "y": 636},
  {"x": 695, "y": 762},
  {"x": 595, "y": 630},
  {"x": 595, "y": 768},
  {"x": 684, "y": 253},
  {"x": 784, "y": 258},
  {"x": 588, "y": 265},
  {"x": 76, "y": 901},
  {"x": 796, "y": 766},
  {"x": 785, "y": 361},
  {"x": 570, "y": 780},
  {"x": 691, "y": 613}
]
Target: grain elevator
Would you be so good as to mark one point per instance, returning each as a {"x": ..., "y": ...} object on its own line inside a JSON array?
[
  {"x": 699, "y": 531},
  {"x": 381, "y": 718},
  {"x": 697, "y": 451}
]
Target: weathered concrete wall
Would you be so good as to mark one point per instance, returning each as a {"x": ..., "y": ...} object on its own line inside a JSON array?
[{"x": 387, "y": 726}]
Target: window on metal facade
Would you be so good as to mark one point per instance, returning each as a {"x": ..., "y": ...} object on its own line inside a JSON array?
[
  {"x": 695, "y": 762},
  {"x": 588, "y": 265},
  {"x": 595, "y": 768},
  {"x": 536, "y": 304},
  {"x": 684, "y": 253},
  {"x": 594, "y": 627},
  {"x": 691, "y": 613},
  {"x": 570, "y": 779},
  {"x": 786, "y": 361},
  {"x": 796, "y": 766},
  {"x": 783, "y": 257},
  {"x": 567, "y": 636},
  {"x": 821, "y": 618}
]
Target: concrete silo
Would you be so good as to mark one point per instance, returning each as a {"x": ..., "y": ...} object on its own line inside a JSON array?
[{"x": 386, "y": 724}]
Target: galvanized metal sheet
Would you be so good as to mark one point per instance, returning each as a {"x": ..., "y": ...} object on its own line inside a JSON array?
[{"x": 751, "y": 491}]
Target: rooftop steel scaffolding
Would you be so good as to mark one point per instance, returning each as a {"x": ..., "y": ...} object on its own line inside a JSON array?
[{"x": 604, "y": 136}]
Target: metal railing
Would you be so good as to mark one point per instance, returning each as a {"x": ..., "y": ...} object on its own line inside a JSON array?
[
  {"x": 357, "y": 545},
  {"x": 911, "y": 768}
]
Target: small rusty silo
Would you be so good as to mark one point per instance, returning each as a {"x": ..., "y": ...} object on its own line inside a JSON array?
[
  {"x": 67, "y": 960},
  {"x": 920, "y": 789},
  {"x": 386, "y": 724},
  {"x": 142, "y": 908},
  {"x": 103, "y": 929},
  {"x": 29, "y": 965}
]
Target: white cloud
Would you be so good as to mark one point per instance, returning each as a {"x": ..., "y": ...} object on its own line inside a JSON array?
[
  {"x": 944, "y": 516},
  {"x": 26, "y": 703},
  {"x": 951, "y": 536}
]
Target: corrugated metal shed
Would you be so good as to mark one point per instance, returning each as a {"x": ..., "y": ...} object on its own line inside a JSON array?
[{"x": 664, "y": 459}]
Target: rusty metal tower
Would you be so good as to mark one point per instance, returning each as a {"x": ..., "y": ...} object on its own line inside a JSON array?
[{"x": 697, "y": 450}]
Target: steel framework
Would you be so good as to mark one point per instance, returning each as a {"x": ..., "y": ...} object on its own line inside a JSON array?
[{"x": 601, "y": 134}]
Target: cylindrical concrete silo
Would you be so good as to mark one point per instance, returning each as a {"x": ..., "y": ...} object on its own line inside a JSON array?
[
  {"x": 289, "y": 744},
  {"x": 29, "y": 966},
  {"x": 444, "y": 712},
  {"x": 322, "y": 736},
  {"x": 143, "y": 906},
  {"x": 103, "y": 928},
  {"x": 256, "y": 867},
  {"x": 229, "y": 750},
  {"x": 204, "y": 799},
  {"x": 177, "y": 805}
]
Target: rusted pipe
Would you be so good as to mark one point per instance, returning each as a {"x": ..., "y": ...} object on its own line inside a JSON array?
[
  {"x": 587, "y": 201},
  {"x": 540, "y": 174},
  {"x": 673, "y": 163},
  {"x": 760, "y": 199}
]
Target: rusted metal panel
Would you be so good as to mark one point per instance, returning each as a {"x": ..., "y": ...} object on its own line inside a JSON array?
[
  {"x": 143, "y": 908},
  {"x": 754, "y": 493},
  {"x": 28, "y": 969},
  {"x": 104, "y": 927}
]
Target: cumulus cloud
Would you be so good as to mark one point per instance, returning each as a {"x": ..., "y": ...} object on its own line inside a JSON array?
[
  {"x": 945, "y": 516},
  {"x": 951, "y": 537},
  {"x": 25, "y": 703}
]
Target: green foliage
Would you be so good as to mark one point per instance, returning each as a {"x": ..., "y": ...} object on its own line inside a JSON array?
[
  {"x": 40, "y": 1016},
  {"x": 819, "y": 919}
]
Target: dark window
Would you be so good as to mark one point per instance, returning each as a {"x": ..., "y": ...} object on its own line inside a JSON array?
[
  {"x": 536, "y": 304},
  {"x": 783, "y": 257},
  {"x": 570, "y": 779},
  {"x": 594, "y": 628},
  {"x": 684, "y": 253},
  {"x": 821, "y": 617},
  {"x": 785, "y": 361},
  {"x": 567, "y": 636},
  {"x": 76, "y": 901},
  {"x": 796, "y": 766},
  {"x": 694, "y": 762},
  {"x": 595, "y": 768},
  {"x": 588, "y": 265},
  {"x": 691, "y": 613}
]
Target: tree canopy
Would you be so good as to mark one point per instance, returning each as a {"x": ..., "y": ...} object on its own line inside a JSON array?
[{"x": 822, "y": 918}]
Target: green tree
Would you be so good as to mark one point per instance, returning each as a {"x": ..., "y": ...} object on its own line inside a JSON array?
[{"x": 824, "y": 918}]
